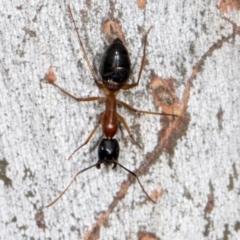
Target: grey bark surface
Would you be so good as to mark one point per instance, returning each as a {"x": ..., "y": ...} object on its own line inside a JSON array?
[{"x": 40, "y": 127}]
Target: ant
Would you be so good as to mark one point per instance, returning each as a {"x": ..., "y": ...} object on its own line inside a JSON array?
[{"x": 115, "y": 68}]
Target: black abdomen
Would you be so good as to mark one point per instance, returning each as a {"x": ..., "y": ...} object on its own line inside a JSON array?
[{"x": 115, "y": 66}]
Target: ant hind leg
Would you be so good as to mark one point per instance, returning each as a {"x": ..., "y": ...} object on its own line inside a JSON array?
[{"x": 129, "y": 86}]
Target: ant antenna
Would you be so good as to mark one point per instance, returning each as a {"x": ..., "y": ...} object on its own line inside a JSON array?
[
  {"x": 97, "y": 165},
  {"x": 64, "y": 191},
  {"x": 134, "y": 174}
]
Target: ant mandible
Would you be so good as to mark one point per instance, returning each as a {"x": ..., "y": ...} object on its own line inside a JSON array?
[{"x": 115, "y": 68}]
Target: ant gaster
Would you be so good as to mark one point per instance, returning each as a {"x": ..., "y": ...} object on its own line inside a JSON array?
[{"x": 114, "y": 70}]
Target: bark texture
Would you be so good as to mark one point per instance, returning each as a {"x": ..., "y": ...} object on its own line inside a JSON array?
[{"x": 189, "y": 164}]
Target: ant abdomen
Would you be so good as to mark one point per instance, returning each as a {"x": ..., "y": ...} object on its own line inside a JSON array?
[{"x": 115, "y": 66}]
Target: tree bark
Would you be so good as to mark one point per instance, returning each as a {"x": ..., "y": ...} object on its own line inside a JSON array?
[{"x": 189, "y": 163}]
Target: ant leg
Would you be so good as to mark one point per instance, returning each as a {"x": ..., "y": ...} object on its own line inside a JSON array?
[
  {"x": 122, "y": 120},
  {"x": 128, "y": 86},
  {"x": 100, "y": 85},
  {"x": 89, "y": 137},
  {"x": 145, "y": 112},
  {"x": 87, "y": 99}
]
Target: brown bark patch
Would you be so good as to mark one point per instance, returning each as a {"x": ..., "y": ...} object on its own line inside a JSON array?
[
  {"x": 113, "y": 30},
  {"x": 142, "y": 3},
  {"x": 229, "y": 5}
]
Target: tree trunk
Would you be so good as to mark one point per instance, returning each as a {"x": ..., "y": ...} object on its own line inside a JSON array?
[{"x": 189, "y": 163}]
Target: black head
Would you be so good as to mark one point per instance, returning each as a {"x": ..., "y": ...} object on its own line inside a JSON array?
[
  {"x": 108, "y": 150},
  {"x": 115, "y": 66}
]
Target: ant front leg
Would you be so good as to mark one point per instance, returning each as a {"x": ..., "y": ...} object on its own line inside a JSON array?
[
  {"x": 122, "y": 120},
  {"x": 89, "y": 137},
  {"x": 129, "y": 86}
]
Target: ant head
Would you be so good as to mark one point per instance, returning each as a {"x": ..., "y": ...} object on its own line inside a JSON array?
[
  {"x": 115, "y": 66},
  {"x": 108, "y": 151}
]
